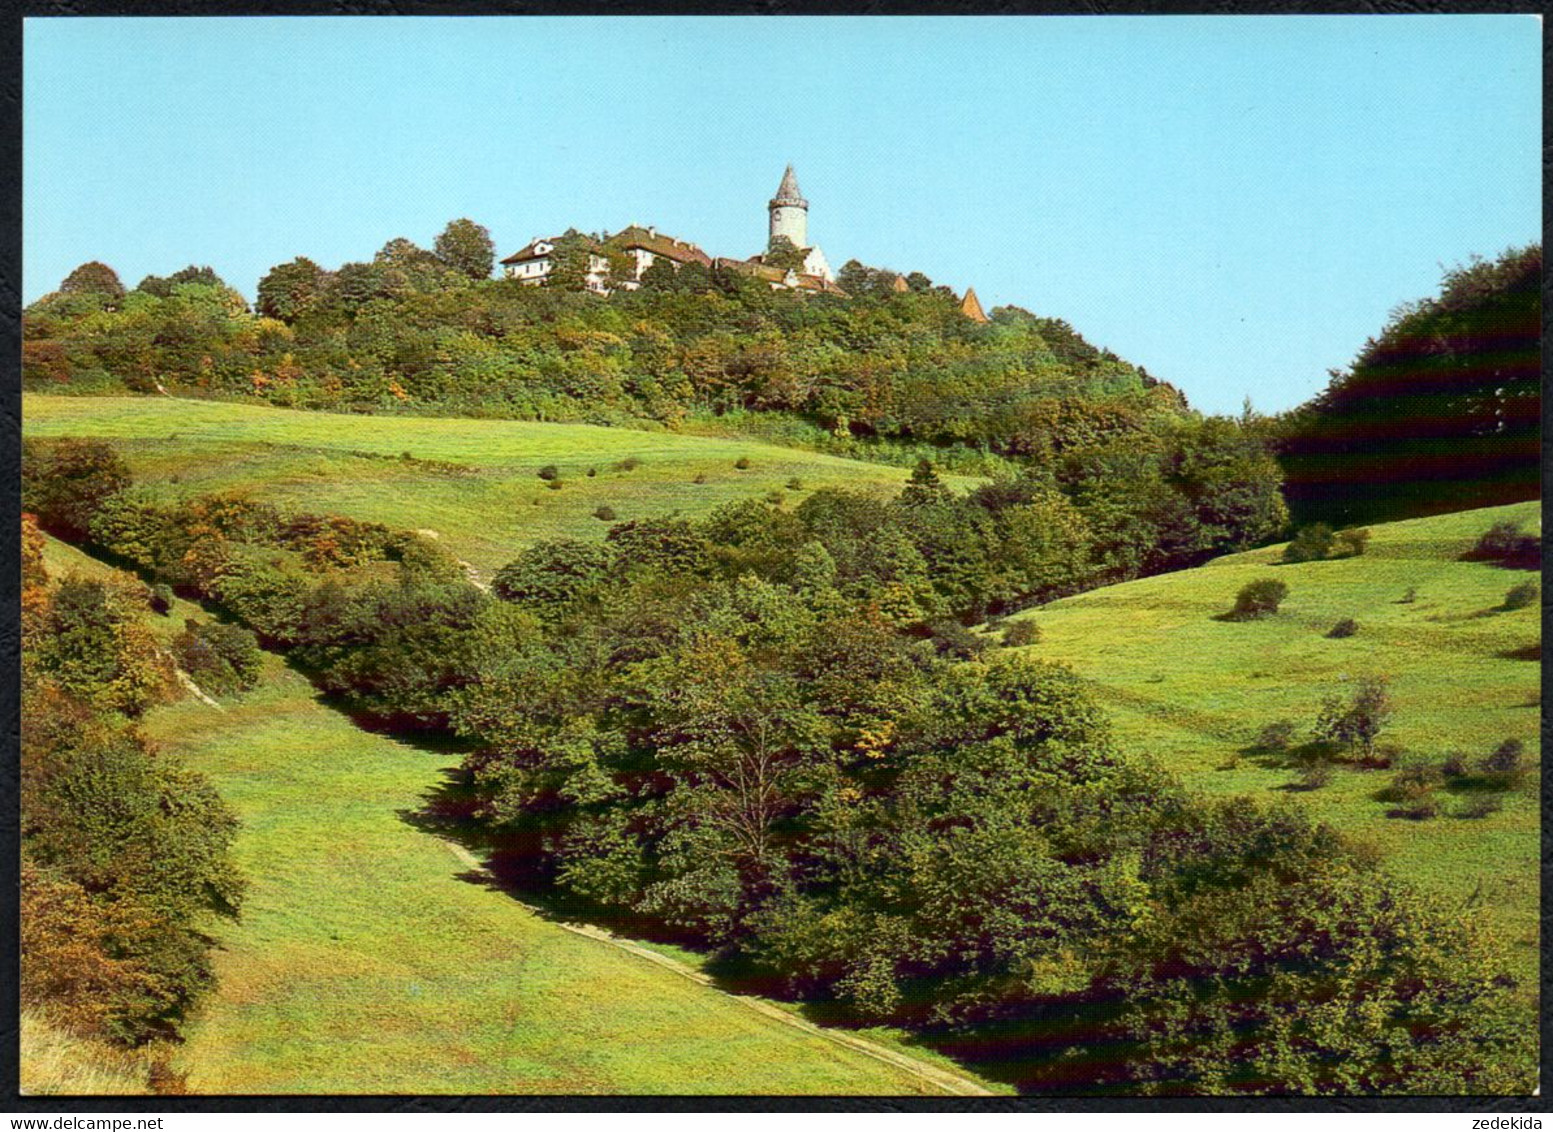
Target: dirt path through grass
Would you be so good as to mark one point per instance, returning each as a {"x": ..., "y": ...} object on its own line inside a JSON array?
[
  {"x": 949, "y": 1082},
  {"x": 364, "y": 963}
]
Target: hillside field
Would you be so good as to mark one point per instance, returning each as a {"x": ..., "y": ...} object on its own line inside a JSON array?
[
  {"x": 369, "y": 960},
  {"x": 1194, "y": 691},
  {"x": 362, "y": 958},
  {"x": 483, "y": 495}
]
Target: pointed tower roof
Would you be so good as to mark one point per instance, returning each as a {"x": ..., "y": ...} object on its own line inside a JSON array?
[
  {"x": 787, "y": 192},
  {"x": 970, "y": 307}
]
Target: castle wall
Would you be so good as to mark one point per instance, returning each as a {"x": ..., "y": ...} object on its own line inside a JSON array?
[{"x": 815, "y": 264}]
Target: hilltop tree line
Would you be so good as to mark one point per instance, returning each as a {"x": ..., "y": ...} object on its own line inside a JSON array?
[
  {"x": 749, "y": 732},
  {"x": 426, "y": 329},
  {"x": 1441, "y": 410}
]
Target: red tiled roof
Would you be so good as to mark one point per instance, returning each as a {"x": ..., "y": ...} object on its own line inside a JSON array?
[
  {"x": 970, "y": 307},
  {"x": 820, "y": 283},
  {"x": 765, "y": 271},
  {"x": 528, "y": 252},
  {"x": 680, "y": 251}
]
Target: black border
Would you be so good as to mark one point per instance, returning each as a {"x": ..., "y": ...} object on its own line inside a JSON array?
[{"x": 11, "y": 158}]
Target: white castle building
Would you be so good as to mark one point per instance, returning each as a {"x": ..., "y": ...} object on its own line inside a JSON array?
[{"x": 789, "y": 217}]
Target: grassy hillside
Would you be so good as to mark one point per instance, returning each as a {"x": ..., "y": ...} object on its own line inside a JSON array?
[
  {"x": 1195, "y": 691},
  {"x": 55, "y": 1062},
  {"x": 474, "y": 482},
  {"x": 370, "y": 960},
  {"x": 363, "y": 958}
]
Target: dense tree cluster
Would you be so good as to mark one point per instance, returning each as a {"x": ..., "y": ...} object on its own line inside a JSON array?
[
  {"x": 745, "y": 731},
  {"x": 125, "y": 854},
  {"x": 1441, "y": 412},
  {"x": 428, "y": 329}
]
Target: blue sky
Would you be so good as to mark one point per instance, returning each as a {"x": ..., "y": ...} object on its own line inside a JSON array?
[{"x": 1235, "y": 203}]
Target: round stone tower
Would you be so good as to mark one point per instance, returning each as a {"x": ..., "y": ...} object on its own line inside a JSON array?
[{"x": 790, "y": 212}]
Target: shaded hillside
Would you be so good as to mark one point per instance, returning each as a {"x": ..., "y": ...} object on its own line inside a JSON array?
[{"x": 1442, "y": 411}]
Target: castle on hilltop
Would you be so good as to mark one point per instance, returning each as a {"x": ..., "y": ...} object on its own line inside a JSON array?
[
  {"x": 644, "y": 246},
  {"x": 788, "y": 219}
]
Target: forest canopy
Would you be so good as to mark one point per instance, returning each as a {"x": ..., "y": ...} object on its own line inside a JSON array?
[{"x": 418, "y": 329}]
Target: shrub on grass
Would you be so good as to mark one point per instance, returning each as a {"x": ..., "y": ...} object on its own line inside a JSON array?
[
  {"x": 1315, "y": 774},
  {"x": 795, "y": 484},
  {"x": 1507, "y": 759},
  {"x": 549, "y": 472},
  {"x": 1521, "y": 596},
  {"x": 1505, "y": 544},
  {"x": 1419, "y": 809},
  {"x": 166, "y": 1081},
  {"x": 1480, "y": 806},
  {"x": 1347, "y": 627},
  {"x": 1021, "y": 633},
  {"x": 161, "y": 598},
  {"x": 1352, "y": 542},
  {"x": 1310, "y": 544},
  {"x": 1277, "y": 735},
  {"x": 1258, "y": 599},
  {"x": 952, "y": 639},
  {"x": 629, "y": 464},
  {"x": 592, "y": 472},
  {"x": 1355, "y": 724},
  {"x": 1454, "y": 765},
  {"x": 1412, "y": 778},
  {"x": 605, "y": 513},
  {"x": 742, "y": 462},
  {"x": 775, "y": 498},
  {"x": 700, "y": 478},
  {"x": 1382, "y": 756},
  {"x": 1495, "y": 542},
  {"x": 1412, "y": 791},
  {"x": 1410, "y": 596},
  {"x": 555, "y": 485},
  {"x": 220, "y": 658}
]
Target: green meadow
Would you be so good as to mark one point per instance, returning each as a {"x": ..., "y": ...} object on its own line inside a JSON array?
[
  {"x": 1194, "y": 691},
  {"x": 474, "y": 482},
  {"x": 369, "y": 958}
]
